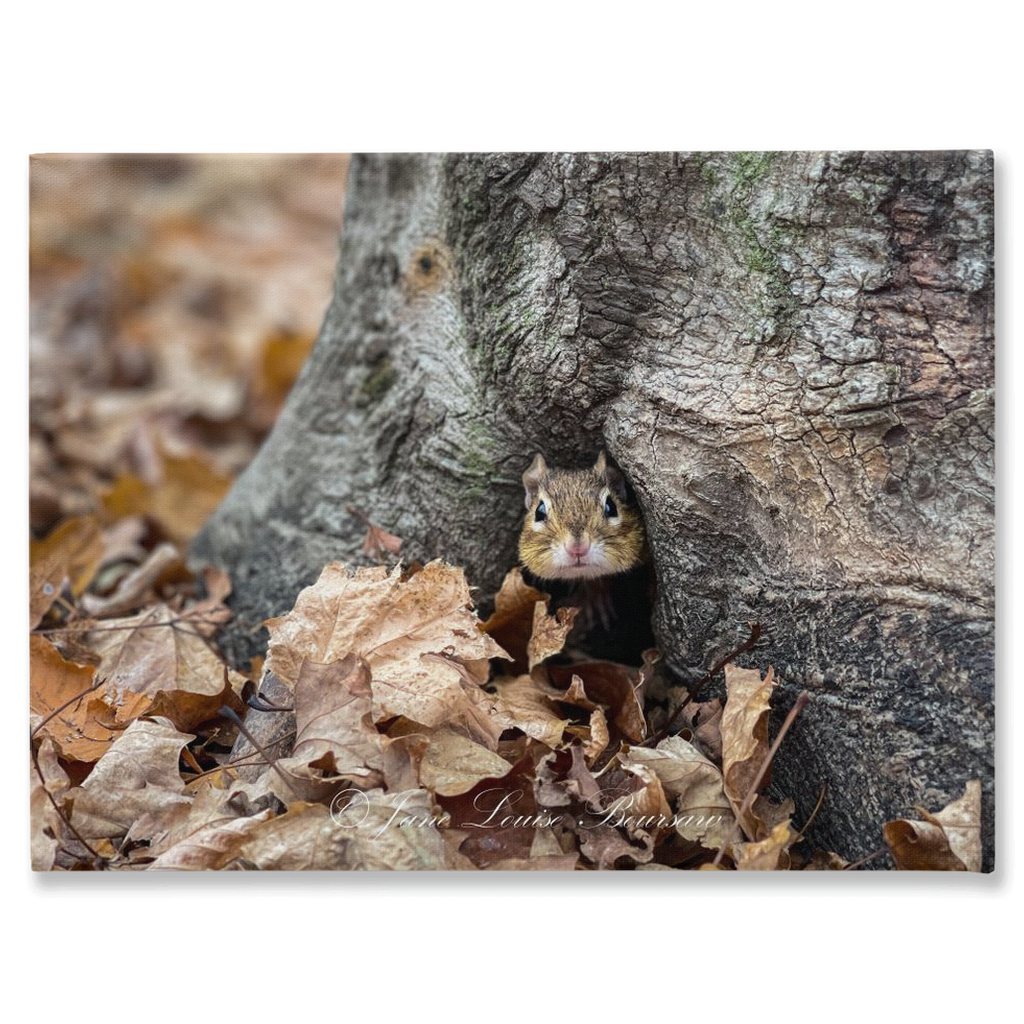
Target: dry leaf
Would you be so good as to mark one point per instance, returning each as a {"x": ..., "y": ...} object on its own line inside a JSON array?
[
  {"x": 187, "y": 494},
  {"x": 576, "y": 695},
  {"x": 702, "y": 810},
  {"x": 332, "y": 719},
  {"x": 604, "y": 845},
  {"x": 395, "y": 626},
  {"x": 745, "y": 739},
  {"x": 947, "y": 841},
  {"x": 823, "y": 860},
  {"x": 378, "y": 544},
  {"x": 304, "y": 838},
  {"x": 71, "y": 554},
  {"x": 596, "y": 743},
  {"x": 86, "y": 726},
  {"x": 402, "y": 758},
  {"x": 395, "y": 832},
  {"x": 522, "y": 705},
  {"x": 212, "y": 846},
  {"x": 646, "y": 810},
  {"x": 511, "y": 625},
  {"x": 133, "y": 587},
  {"x": 161, "y": 652},
  {"x": 612, "y": 685},
  {"x": 548, "y": 634},
  {"x": 47, "y": 826},
  {"x": 137, "y": 775},
  {"x": 769, "y": 854},
  {"x": 453, "y": 764}
]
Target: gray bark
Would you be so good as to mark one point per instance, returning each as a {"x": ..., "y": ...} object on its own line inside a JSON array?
[{"x": 790, "y": 355}]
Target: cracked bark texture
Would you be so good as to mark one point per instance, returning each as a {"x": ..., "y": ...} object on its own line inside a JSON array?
[{"x": 790, "y": 355}]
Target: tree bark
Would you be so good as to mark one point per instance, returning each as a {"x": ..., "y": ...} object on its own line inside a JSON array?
[{"x": 790, "y": 355}]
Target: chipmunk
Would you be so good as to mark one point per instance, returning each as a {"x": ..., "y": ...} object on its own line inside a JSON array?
[
  {"x": 582, "y": 538},
  {"x": 579, "y": 523}
]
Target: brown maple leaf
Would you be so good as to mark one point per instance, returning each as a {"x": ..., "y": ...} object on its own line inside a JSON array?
[
  {"x": 138, "y": 775},
  {"x": 419, "y": 637}
]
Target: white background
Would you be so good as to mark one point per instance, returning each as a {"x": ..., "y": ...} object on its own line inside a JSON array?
[{"x": 307, "y": 77}]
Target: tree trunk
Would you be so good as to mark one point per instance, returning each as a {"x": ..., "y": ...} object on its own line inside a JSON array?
[{"x": 791, "y": 357}]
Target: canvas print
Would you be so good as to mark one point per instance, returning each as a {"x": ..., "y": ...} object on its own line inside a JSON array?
[{"x": 512, "y": 511}]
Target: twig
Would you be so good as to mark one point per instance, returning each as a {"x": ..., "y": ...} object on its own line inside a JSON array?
[
  {"x": 814, "y": 814},
  {"x": 228, "y": 713},
  {"x": 864, "y": 860},
  {"x": 360, "y": 515},
  {"x": 185, "y": 617}
]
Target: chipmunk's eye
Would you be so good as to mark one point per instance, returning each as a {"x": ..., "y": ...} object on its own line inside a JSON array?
[
  {"x": 541, "y": 514},
  {"x": 610, "y": 508}
]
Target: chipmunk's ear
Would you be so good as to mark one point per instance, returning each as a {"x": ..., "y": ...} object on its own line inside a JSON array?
[
  {"x": 532, "y": 478},
  {"x": 616, "y": 481}
]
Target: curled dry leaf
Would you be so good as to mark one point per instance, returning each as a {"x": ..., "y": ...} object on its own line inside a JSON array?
[
  {"x": 511, "y": 625},
  {"x": 133, "y": 587},
  {"x": 138, "y": 775},
  {"x": 614, "y": 686},
  {"x": 702, "y": 810},
  {"x": 523, "y": 705},
  {"x": 595, "y": 736},
  {"x": 769, "y": 854},
  {"x": 395, "y": 625},
  {"x": 947, "y": 841},
  {"x": 617, "y": 814},
  {"x": 549, "y": 633},
  {"x": 577, "y": 695},
  {"x": 645, "y": 810},
  {"x": 745, "y": 739}
]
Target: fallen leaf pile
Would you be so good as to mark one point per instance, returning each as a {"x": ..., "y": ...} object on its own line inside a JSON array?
[
  {"x": 174, "y": 300},
  {"x": 413, "y": 739}
]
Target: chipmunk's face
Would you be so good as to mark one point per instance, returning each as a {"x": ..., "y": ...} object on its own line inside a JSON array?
[{"x": 578, "y": 522}]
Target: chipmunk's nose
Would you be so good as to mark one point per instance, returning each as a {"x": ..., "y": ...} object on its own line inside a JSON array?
[{"x": 577, "y": 547}]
